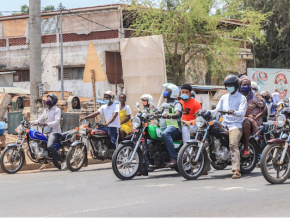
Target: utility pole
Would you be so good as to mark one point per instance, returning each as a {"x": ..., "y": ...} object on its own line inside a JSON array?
[
  {"x": 61, "y": 52},
  {"x": 35, "y": 54}
]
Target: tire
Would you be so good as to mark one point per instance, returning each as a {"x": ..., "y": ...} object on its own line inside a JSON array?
[
  {"x": 176, "y": 169},
  {"x": 184, "y": 161},
  {"x": 20, "y": 158},
  {"x": 81, "y": 157},
  {"x": 269, "y": 150},
  {"x": 221, "y": 166},
  {"x": 247, "y": 165},
  {"x": 118, "y": 157}
]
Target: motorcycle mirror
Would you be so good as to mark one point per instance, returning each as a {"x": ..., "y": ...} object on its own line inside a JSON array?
[{"x": 137, "y": 105}]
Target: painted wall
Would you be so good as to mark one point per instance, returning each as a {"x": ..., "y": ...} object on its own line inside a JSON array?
[{"x": 6, "y": 80}]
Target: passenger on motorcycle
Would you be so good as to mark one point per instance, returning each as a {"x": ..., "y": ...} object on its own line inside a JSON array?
[
  {"x": 173, "y": 121},
  {"x": 125, "y": 117},
  {"x": 236, "y": 104},
  {"x": 111, "y": 113},
  {"x": 271, "y": 107},
  {"x": 255, "y": 87},
  {"x": 50, "y": 119},
  {"x": 256, "y": 109}
]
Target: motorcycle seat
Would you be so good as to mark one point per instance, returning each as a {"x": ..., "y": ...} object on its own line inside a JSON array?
[
  {"x": 99, "y": 132},
  {"x": 66, "y": 135}
]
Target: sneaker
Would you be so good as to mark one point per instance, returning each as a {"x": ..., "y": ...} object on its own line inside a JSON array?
[{"x": 63, "y": 166}]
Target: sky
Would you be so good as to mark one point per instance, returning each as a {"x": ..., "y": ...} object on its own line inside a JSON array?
[{"x": 8, "y": 6}]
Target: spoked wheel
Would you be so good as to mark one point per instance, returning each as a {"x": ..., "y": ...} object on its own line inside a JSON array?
[
  {"x": 122, "y": 166},
  {"x": 188, "y": 167},
  {"x": 12, "y": 160},
  {"x": 249, "y": 164},
  {"x": 76, "y": 157},
  {"x": 272, "y": 169}
]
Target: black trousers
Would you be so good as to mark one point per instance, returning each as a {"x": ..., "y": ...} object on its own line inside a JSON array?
[{"x": 52, "y": 140}]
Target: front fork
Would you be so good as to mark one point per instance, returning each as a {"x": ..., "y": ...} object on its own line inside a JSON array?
[
  {"x": 200, "y": 145},
  {"x": 137, "y": 145},
  {"x": 283, "y": 153}
]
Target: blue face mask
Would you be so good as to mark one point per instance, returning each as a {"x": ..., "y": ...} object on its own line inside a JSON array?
[
  {"x": 245, "y": 89},
  {"x": 231, "y": 89},
  {"x": 184, "y": 97},
  {"x": 106, "y": 101},
  {"x": 165, "y": 94}
]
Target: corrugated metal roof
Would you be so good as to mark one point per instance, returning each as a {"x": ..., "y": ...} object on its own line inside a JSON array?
[
  {"x": 7, "y": 72},
  {"x": 14, "y": 90}
]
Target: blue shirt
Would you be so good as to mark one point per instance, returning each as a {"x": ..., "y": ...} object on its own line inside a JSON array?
[{"x": 236, "y": 102}]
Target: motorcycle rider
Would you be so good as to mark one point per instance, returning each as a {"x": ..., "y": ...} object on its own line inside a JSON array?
[
  {"x": 271, "y": 107},
  {"x": 236, "y": 105},
  {"x": 111, "y": 113},
  {"x": 50, "y": 119},
  {"x": 173, "y": 121}
]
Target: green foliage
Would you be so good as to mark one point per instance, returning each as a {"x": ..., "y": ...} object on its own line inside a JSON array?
[
  {"x": 194, "y": 37},
  {"x": 49, "y": 8},
  {"x": 23, "y": 10}
]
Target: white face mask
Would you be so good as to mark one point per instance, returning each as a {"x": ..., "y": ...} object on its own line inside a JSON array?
[{"x": 231, "y": 89}]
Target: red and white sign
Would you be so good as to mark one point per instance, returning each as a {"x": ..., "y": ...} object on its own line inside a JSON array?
[
  {"x": 281, "y": 84},
  {"x": 260, "y": 74}
]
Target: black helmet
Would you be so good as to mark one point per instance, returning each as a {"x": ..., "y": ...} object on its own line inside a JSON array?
[
  {"x": 54, "y": 98},
  {"x": 232, "y": 80}
]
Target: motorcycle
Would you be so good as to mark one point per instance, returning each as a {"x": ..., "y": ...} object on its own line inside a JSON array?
[
  {"x": 96, "y": 140},
  {"x": 214, "y": 137},
  {"x": 127, "y": 159},
  {"x": 275, "y": 157},
  {"x": 12, "y": 158}
]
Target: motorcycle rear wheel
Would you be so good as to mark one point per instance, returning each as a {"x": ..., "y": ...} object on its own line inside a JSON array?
[
  {"x": 76, "y": 157},
  {"x": 10, "y": 157},
  {"x": 247, "y": 165},
  {"x": 270, "y": 167},
  {"x": 187, "y": 167},
  {"x": 121, "y": 165}
]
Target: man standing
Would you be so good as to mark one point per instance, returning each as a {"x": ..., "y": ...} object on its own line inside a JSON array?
[{"x": 236, "y": 105}]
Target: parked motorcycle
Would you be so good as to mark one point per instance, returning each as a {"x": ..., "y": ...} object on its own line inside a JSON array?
[
  {"x": 13, "y": 156},
  {"x": 128, "y": 157},
  {"x": 214, "y": 137},
  {"x": 275, "y": 157}
]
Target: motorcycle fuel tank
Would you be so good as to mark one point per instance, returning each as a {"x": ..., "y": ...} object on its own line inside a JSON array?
[
  {"x": 218, "y": 128},
  {"x": 154, "y": 132},
  {"x": 33, "y": 134}
]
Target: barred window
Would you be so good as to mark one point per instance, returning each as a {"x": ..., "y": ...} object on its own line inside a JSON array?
[
  {"x": 21, "y": 76},
  {"x": 71, "y": 73}
]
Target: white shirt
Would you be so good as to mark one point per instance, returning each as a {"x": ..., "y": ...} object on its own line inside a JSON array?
[
  {"x": 127, "y": 109},
  {"x": 236, "y": 102},
  {"x": 52, "y": 118},
  {"x": 108, "y": 112}
]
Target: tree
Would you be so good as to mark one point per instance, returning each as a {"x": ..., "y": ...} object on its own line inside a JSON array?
[
  {"x": 49, "y": 8},
  {"x": 194, "y": 38},
  {"x": 23, "y": 10},
  {"x": 276, "y": 51}
]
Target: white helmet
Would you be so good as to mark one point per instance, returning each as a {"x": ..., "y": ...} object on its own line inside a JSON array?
[
  {"x": 255, "y": 86},
  {"x": 174, "y": 89},
  {"x": 147, "y": 97},
  {"x": 111, "y": 93}
]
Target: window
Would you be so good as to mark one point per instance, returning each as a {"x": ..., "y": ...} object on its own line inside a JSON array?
[
  {"x": 114, "y": 67},
  {"x": 71, "y": 73},
  {"x": 21, "y": 76}
]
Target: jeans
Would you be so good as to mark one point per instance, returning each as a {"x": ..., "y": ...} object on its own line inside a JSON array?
[
  {"x": 169, "y": 134},
  {"x": 52, "y": 140},
  {"x": 113, "y": 133},
  {"x": 186, "y": 131}
]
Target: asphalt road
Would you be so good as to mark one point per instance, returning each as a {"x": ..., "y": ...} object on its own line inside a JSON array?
[{"x": 96, "y": 191}]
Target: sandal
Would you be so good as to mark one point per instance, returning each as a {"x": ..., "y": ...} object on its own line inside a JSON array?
[
  {"x": 236, "y": 175},
  {"x": 246, "y": 154}
]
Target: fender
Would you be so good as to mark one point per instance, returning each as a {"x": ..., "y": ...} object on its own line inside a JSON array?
[
  {"x": 193, "y": 141},
  {"x": 75, "y": 143},
  {"x": 127, "y": 142},
  {"x": 13, "y": 145},
  {"x": 276, "y": 141}
]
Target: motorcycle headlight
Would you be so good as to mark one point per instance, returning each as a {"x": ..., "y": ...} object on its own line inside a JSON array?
[
  {"x": 280, "y": 119},
  {"x": 136, "y": 122},
  {"x": 82, "y": 131},
  {"x": 199, "y": 122},
  {"x": 19, "y": 129}
]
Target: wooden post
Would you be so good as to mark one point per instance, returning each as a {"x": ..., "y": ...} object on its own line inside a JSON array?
[{"x": 94, "y": 90}]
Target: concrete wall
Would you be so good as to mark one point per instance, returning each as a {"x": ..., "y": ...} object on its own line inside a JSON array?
[{"x": 6, "y": 80}]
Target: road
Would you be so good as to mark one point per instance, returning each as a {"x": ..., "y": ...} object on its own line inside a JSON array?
[{"x": 96, "y": 191}]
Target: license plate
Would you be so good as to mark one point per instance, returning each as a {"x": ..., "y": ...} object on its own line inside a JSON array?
[{"x": 135, "y": 130}]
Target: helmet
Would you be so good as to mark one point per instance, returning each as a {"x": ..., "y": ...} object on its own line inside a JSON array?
[
  {"x": 147, "y": 97},
  {"x": 174, "y": 90},
  {"x": 255, "y": 86},
  {"x": 54, "y": 99},
  {"x": 111, "y": 93},
  {"x": 232, "y": 80}
]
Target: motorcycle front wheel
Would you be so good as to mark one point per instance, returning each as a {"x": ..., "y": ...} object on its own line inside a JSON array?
[
  {"x": 122, "y": 168},
  {"x": 188, "y": 167},
  {"x": 12, "y": 160},
  {"x": 273, "y": 171},
  {"x": 76, "y": 157}
]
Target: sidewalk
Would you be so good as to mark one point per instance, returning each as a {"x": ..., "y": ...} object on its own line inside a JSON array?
[{"x": 29, "y": 165}]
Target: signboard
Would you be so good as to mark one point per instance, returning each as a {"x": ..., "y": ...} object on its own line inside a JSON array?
[{"x": 271, "y": 80}]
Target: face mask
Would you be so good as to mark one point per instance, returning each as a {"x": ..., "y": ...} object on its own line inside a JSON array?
[
  {"x": 48, "y": 102},
  {"x": 231, "y": 89},
  {"x": 106, "y": 101},
  {"x": 184, "y": 97},
  {"x": 165, "y": 94},
  {"x": 245, "y": 89}
]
